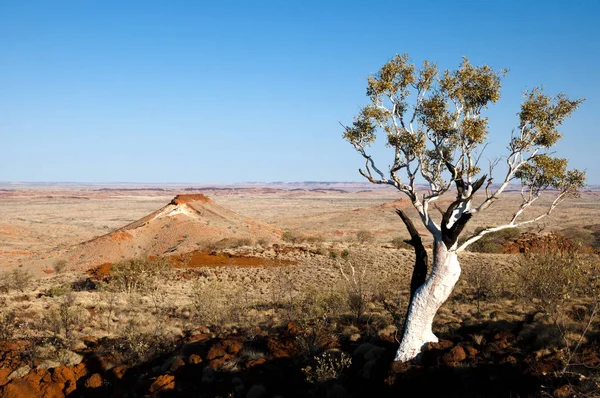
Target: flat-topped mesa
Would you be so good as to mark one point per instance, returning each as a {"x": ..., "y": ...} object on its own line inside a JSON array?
[{"x": 187, "y": 198}]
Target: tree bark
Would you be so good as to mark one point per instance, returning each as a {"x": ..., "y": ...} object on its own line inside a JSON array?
[
  {"x": 426, "y": 301},
  {"x": 421, "y": 259}
]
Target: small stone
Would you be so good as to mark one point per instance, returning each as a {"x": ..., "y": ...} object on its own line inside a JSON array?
[
  {"x": 163, "y": 383},
  {"x": 455, "y": 355},
  {"x": 194, "y": 359},
  {"x": 565, "y": 391},
  {"x": 94, "y": 381}
]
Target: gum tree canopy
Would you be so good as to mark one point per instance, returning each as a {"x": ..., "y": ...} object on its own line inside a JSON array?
[{"x": 435, "y": 125}]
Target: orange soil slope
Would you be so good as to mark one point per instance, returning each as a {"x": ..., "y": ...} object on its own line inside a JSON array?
[{"x": 188, "y": 223}]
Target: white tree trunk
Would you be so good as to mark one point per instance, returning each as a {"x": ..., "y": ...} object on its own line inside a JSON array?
[{"x": 427, "y": 299}]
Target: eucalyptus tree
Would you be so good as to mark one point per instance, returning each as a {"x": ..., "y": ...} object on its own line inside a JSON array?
[{"x": 435, "y": 124}]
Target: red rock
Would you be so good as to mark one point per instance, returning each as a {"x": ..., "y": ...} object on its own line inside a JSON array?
[
  {"x": 197, "y": 338},
  {"x": 4, "y": 372},
  {"x": 119, "y": 371},
  {"x": 94, "y": 381},
  {"x": 217, "y": 363},
  {"x": 80, "y": 370},
  {"x": 62, "y": 374},
  {"x": 455, "y": 355},
  {"x": 565, "y": 391},
  {"x": 281, "y": 349},
  {"x": 20, "y": 388},
  {"x": 255, "y": 362},
  {"x": 232, "y": 346},
  {"x": 471, "y": 352},
  {"x": 176, "y": 364},
  {"x": 194, "y": 359},
  {"x": 32, "y": 388},
  {"x": 163, "y": 383},
  {"x": 216, "y": 351},
  {"x": 508, "y": 359}
]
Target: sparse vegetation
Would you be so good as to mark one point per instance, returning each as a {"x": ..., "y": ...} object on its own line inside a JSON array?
[
  {"x": 60, "y": 266},
  {"x": 494, "y": 241},
  {"x": 138, "y": 275},
  {"x": 363, "y": 236}
]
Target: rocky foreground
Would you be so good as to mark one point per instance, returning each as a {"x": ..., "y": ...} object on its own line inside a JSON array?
[{"x": 491, "y": 359}]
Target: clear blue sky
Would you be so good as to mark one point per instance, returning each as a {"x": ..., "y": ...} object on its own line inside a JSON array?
[{"x": 234, "y": 91}]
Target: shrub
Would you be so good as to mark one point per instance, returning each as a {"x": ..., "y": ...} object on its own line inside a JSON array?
[
  {"x": 138, "y": 275},
  {"x": 59, "y": 266},
  {"x": 291, "y": 237},
  {"x": 484, "y": 283},
  {"x": 59, "y": 290},
  {"x": 364, "y": 236},
  {"x": 399, "y": 243},
  {"x": 64, "y": 318},
  {"x": 494, "y": 241},
  {"x": 217, "y": 303},
  {"x": 358, "y": 292},
  {"x": 393, "y": 300},
  {"x": 549, "y": 279},
  {"x": 8, "y": 324},
  {"x": 135, "y": 346},
  {"x": 328, "y": 366},
  {"x": 314, "y": 239},
  {"x": 229, "y": 243},
  {"x": 18, "y": 279}
]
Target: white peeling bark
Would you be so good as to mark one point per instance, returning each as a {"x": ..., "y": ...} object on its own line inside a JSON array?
[{"x": 427, "y": 300}]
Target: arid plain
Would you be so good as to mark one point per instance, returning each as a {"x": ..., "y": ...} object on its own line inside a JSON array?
[{"x": 257, "y": 254}]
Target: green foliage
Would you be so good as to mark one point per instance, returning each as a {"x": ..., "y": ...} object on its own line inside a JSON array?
[
  {"x": 494, "y": 241},
  {"x": 59, "y": 290},
  {"x": 432, "y": 119},
  {"x": 541, "y": 116}
]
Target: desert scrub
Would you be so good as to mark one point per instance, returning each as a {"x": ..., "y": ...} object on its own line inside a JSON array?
[
  {"x": 291, "y": 237},
  {"x": 400, "y": 243},
  {"x": 358, "y": 291},
  {"x": 139, "y": 274},
  {"x": 64, "y": 318},
  {"x": 8, "y": 325},
  {"x": 217, "y": 303},
  {"x": 485, "y": 282},
  {"x": 60, "y": 266},
  {"x": 59, "y": 290},
  {"x": 364, "y": 236},
  {"x": 135, "y": 345},
  {"x": 17, "y": 279},
  {"x": 328, "y": 366},
  {"x": 229, "y": 243},
  {"x": 393, "y": 300},
  {"x": 494, "y": 241}
]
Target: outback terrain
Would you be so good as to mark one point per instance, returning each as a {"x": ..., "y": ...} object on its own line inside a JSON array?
[{"x": 287, "y": 290}]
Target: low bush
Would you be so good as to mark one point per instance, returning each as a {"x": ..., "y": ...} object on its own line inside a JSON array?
[
  {"x": 138, "y": 275},
  {"x": 494, "y": 241},
  {"x": 8, "y": 325},
  {"x": 400, "y": 243},
  {"x": 364, "y": 236},
  {"x": 60, "y": 266},
  {"x": 59, "y": 290}
]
